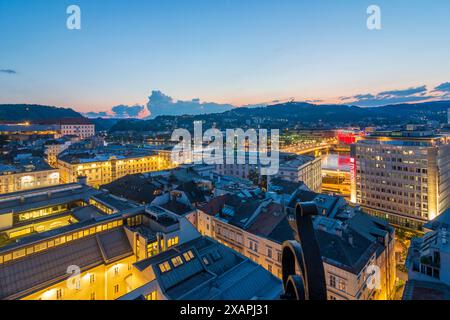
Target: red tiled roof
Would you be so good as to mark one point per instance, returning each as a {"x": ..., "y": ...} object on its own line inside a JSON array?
[
  {"x": 267, "y": 220},
  {"x": 214, "y": 206}
]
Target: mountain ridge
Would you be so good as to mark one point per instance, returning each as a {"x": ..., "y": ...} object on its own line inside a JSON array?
[
  {"x": 293, "y": 114},
  {"x": 34, "y": 112}
]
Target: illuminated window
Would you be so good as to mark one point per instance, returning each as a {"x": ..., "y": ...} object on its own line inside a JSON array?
[
  {"x": 188, "y": 255},
  {"x": 177, "y": 261},
  {"x": 116, "y": 288},
  {"x": 116, "y": 270},
  {"x": 152, "y": 296},
  {"x": 78, "y": 284},
  {"x": 342, "y": 285},
  {"x": 164, "y": 267},
  {"x": 172, "y": 242},
  {"x": 59, "y": 294},
  {"x": 332, "y": 281},
  {"x": 152, "y": 249},
  {"x": 92, "y": 278}
]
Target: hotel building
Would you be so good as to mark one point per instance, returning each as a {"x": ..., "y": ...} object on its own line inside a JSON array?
[
  {"x": 104, "y": 165},
  {"x": 17, "y": 177},
  {"x": 402, "y": 176},
  {"x": 351, "y": 242}
]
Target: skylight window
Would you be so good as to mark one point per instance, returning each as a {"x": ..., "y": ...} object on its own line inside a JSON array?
[
  {"x": 216, "y": 255},
  {"x": 164, "y": 267},
  {"x": 177, "y": 261},
  {"x": 188, "y": 256}
]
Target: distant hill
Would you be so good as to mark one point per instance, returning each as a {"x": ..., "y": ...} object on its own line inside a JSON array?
[
  {"x": 298, "y": 114},
  {"x": 34, "y": 112},
  {"x": 103, "y": 124}
]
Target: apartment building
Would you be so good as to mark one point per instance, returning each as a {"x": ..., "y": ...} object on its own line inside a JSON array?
[
  {"x": 80, "y": 127},
  {"x": 292, "y": 167},
  {"x": 402, "y": 176},
  {"x": 428, "y": 262},
  {"x": 352, "y": 243},
  {"x": 302, "y": 168},
  {"x": 203, "y": 269},
  {"x": 104, "y": 165},
  {"x": 30, "y": 174},
  {"x": 54, "y": 147}
]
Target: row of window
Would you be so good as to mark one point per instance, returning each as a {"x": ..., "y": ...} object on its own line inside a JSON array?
[
  {"x": 176, "y": 261},
  {"x": 22, "y": 252}
]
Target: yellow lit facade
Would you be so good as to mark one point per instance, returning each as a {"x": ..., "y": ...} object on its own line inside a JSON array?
[
  {"x": 107, "y": 275},
  {"x": 403, "y": 180},
  {"x": 104, "y": 282},
  {"x": 103, "y": 172},
  {"x": 341, "y": 284},
  {"x": 12, "y": 182}
]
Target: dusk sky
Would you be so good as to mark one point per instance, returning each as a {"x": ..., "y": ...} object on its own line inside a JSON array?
[{"x": 225, "y": 51}]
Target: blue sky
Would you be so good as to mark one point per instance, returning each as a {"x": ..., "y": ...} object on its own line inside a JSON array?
[{"x": 225, "y": 51}]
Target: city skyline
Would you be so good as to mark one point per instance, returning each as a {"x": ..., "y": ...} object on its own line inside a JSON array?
[{"x": 226, "y": 52}]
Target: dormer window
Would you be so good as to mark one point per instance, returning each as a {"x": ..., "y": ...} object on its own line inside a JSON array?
[
  {"x": 164, "y": 267},
  {"x": 177, "y": 261},
  {"x": 188, "y": 256}
]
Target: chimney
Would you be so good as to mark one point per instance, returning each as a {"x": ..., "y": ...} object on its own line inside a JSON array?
[
  {"x": 82, "y": 180},
  {"x": 350, "y": 239},
  {"x": 159, "y": 238}
]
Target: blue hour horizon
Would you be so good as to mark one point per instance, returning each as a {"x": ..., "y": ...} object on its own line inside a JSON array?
[{"x": 226, "y": 52}]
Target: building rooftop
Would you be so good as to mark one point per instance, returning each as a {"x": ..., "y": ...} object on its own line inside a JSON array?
[
  {"x": 441, "y": 221},
  {"x": 176, "y": 207},
  {"x": 282, "y": 186},
  {"x": 37, "y": 271},
  {"x": 425, "y": 290},
  {"x": 44, "y": 197},
  {"x": 115, "y": 202},
  {"x": 26, "y": 164},
  {"x": 266, "y": 222},
  {"x": 347, "y": 236},
  {"x": 238, "y": 211},
  {"x": 294, "y": 161},
  {"x": 65, "y": 121},
  {"x": 193, "y": 193},
  {"x": 213, "y": 272},
  {"x": 348, "y": 250},
  {"x": 136, "y": 187},
  {"x": 103, "y": 154},
  {"x": 16, "y": 128}
]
